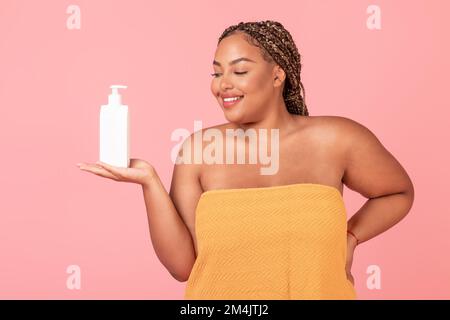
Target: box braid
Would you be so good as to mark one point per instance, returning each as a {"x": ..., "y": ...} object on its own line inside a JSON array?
[{"x": 277, "y": 45}]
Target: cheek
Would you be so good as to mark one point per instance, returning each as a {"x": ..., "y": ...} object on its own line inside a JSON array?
[
  {"x": 258, "y": 91},
  {"x": 215, "y": 88},
  {"x": 255, "y": 84}
]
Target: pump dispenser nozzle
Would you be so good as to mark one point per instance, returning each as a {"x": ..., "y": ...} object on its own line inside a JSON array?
[{"x": 115, "y": 98}]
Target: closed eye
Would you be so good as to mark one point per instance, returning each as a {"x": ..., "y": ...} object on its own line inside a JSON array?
[{"x": 238, "y": 73}]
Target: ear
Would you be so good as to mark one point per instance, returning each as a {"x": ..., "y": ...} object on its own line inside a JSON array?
[{"x": 279, "y": 76}]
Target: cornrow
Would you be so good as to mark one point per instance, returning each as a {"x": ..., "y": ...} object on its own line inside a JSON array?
[{"x": 277, "y": 46}]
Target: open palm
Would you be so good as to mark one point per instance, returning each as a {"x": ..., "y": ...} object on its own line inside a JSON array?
[{"x": 139, "y": 171}]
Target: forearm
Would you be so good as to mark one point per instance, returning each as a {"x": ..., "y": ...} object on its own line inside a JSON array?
[
  {"x": 379, "y": 214},
  {"x": 169, "y": 235}
]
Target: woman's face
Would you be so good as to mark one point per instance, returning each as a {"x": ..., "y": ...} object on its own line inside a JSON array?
[{"x": 240, "y": 71}]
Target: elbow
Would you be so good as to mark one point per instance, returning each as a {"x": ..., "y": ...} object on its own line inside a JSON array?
[
  {"x": 182, "y": 271},
  {"x": 181, "y": 277},
  {"x": 410, "y": 191},
  {"x": 410, "y": 194},
  {"x": 409, "y": 199}
]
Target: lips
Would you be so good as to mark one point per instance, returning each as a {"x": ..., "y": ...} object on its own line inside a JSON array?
[{"x": 230, "y": 102}]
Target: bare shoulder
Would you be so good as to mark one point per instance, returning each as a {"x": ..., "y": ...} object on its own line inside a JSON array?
[
  {"x": 332, "y": 129},
  {"x": 339, "y": 125},
  {"x": 370, "y": 168},
  {"x": 344, "y": 132},
  {"x": 326, "y": 131}
]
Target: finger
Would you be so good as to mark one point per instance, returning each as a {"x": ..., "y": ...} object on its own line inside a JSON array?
[
  {"x": 99, "y": 171},
  {"x": 85, "y": 165},
  {"x": 117, "y": 171}
]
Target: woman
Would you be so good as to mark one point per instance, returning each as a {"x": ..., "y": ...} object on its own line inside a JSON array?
[{"x": 234, "y": 233}]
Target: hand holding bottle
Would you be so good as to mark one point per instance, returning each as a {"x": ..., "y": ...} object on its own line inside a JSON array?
[
  {"x": 139, "y": 171},
  {"x": 169, "y": 234}
]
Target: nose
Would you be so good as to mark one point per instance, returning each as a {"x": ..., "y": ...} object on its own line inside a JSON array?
[{"x": 225, "y": 84}]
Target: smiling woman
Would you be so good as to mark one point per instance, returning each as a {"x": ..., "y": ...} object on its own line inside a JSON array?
[
  {"x": 277, "y": 57},
  {"x": 278, "y": 231},
  {"x": 231, "y": 231}
]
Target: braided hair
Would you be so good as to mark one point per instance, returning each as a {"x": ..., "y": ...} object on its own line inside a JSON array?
[{"x": 277, "y": 46}]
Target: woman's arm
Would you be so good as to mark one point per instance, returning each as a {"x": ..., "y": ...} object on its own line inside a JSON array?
[
  {"x": 171, "y": 218},
  {"x": 372, "y": 171},
  {"x": 170, "y": 236}
]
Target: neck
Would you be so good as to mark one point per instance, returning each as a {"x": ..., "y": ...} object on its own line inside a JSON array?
[{"x": 277, "y": 117}]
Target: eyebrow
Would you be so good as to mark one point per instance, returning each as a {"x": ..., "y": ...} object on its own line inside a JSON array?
[{"x": 234, "y": 61}]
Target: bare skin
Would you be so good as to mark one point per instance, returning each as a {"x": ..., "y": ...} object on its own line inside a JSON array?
[{"x": 327, "y": 150}]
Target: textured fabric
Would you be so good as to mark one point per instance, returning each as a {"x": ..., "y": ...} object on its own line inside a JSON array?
[{"x": 281, "y": 242}]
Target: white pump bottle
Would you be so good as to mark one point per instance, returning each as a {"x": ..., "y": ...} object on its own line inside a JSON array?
[{"x": 115, "y": 130}]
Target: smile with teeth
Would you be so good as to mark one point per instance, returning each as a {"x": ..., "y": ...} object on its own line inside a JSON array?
[{"x": 231, "y": 101}]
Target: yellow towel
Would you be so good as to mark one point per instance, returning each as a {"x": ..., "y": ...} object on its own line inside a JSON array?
[{"x": 280, "y": 242}]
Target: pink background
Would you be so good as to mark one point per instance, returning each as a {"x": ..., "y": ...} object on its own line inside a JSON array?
[{"x": 53, "y": 81}]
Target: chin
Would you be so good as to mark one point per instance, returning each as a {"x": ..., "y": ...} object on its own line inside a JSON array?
[
  {"x": 234, "y": 117},
  {"x": 233, "y": 120}
]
